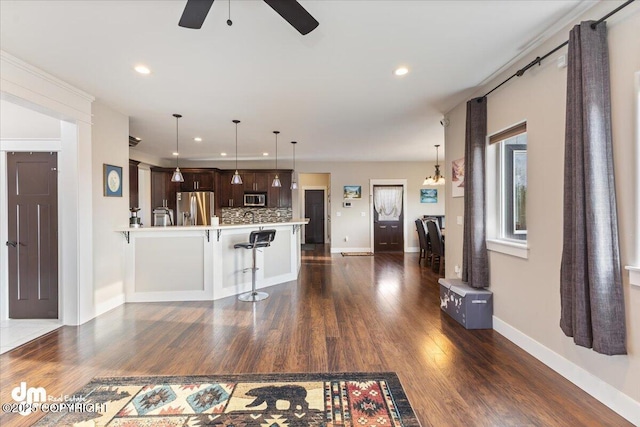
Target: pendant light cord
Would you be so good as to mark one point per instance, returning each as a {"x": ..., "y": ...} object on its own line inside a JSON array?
[
  {"x": 236, "y": 122},
  {"x": 276, "y": 132},
  {"x": 236, "y": 146},
  {"x": 177, "y": 150}
]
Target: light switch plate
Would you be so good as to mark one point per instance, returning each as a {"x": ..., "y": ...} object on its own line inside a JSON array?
[{"x": 459, "y": 220}]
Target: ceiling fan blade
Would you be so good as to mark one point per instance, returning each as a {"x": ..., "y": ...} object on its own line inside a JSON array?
[
  {"x": 195, "y": 13},
  {"x": 294, "y": 14}
]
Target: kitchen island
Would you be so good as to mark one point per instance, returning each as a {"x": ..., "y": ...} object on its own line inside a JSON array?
[{"x": 195, "y": 263}]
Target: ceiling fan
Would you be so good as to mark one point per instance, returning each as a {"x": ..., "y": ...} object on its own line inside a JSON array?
[{"x": 196, "y": 11}]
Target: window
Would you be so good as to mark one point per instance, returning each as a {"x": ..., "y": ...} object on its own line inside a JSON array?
[
  {"x": 513, "y": 188},
  {"x": 507, "y": 191}
]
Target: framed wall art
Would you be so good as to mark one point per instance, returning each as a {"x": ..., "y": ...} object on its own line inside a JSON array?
[
  {"x": 428, "y": 195},
  {"x": 457, "y": 178},
  {"x": 352, "y": 192},
  {"x": 112, "y": 180}
]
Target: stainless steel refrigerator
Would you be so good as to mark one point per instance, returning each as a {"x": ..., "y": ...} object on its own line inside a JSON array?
[{"x": 194, "y": 208}]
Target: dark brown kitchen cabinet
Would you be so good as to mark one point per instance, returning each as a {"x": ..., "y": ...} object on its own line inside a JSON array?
[
  {"x": 197, "y": 180},
  {"x": 255, "y": 181},
  {"x": 163, "y": 191},
  {"x": 133, "y": 184},
  {"x": 230, "y": 195},
  {"x": 279, "y": 197},
  {"x": 285, "y": 191}
]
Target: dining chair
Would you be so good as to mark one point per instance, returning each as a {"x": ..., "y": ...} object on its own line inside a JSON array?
[{"x": 437, "y": 246}]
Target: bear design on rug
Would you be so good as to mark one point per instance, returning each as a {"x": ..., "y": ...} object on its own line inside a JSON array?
[{"x": 295, "y": 394}]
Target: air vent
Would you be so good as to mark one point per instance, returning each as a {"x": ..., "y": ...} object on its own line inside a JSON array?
[{"x": 133, "y": 141}]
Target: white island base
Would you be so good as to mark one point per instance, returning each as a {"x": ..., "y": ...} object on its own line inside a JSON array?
[{"x": 199, "y": 263}]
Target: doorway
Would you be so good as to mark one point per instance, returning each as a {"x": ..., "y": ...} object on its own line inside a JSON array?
[
  {"x": 388, "y": 205},
  {"x": 32, "y": 235},
  {"x": 314, "y": 209}
]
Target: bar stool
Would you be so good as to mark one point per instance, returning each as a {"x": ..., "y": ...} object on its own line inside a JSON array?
[{"x": 257, "y": 239}]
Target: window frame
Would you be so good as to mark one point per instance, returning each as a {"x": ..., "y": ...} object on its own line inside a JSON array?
[{"x": 497, "y": 240}]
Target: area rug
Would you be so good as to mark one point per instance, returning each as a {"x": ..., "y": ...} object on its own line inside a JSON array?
[
  {"x": 308, "y": 246},
  {"x": 357, "y": 253},
  {"x": 252, "y": 400}
]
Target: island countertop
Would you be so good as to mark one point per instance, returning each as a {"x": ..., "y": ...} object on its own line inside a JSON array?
[
  {"x": 198, "y": 263},
  {"x": 175, "y": 228}
]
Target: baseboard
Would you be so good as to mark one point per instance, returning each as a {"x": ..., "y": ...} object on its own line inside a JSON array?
[
  {"x": 339, "y": 250},
  {"x": 109, "y": 304},
  {"x": 619, "y": 402}
]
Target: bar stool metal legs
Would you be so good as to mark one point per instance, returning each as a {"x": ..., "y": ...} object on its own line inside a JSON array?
[
  {"x": 257, "y": 239},
  {"x": 254, "y": 295}
]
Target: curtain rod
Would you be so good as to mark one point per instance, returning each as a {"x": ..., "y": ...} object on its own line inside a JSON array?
[{"x": 539, "y": 59}]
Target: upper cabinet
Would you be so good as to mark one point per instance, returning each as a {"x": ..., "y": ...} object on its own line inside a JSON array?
[
  {"x": 279, "y": 197},
  {"x": 254, "y": 181},
  {"x": 163, "y": 191},
  {"x": 197, "y": 180},
  {"x": 229, "y": 195}
]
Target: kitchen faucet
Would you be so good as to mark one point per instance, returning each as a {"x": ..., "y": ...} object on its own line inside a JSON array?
[{"x": 253, "y": 217}]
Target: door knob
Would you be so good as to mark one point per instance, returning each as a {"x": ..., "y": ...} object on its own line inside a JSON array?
[{"x": 14, "y": 244}]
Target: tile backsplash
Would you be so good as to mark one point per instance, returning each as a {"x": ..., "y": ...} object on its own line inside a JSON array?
[{"x": 237, "y": 215}]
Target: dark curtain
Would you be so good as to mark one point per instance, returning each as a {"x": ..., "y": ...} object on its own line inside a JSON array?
[
  {"x": 592, "y": 301},
  {"x": 475, "y": 260}
]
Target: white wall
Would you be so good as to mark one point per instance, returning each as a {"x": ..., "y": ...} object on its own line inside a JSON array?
[
  {"x": 526, "y": 291},
  {"x": 110, "y": 137},
  {"x": 34, "y": 89},
  {"x": 18, "y": 122},
  {"x": 351, "y": 223}
]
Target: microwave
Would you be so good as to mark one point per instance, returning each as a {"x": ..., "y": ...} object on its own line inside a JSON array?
[{"x": 255, "y": 199}]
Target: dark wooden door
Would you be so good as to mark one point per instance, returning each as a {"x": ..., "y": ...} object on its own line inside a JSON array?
[
  {"x": 388, "y": 236},
  {"x": 314, "y": 210},
  {"x": 33, "y": 235}
]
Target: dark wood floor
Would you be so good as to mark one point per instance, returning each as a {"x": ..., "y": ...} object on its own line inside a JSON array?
[{"x": 376, "y": 313}]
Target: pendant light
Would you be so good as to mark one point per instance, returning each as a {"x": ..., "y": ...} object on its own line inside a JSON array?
[
  {"x": 436, "y": 179},
  {"x": 276, "y": 181},
  {"x": 236, "y": 179},
  {"x": 177, "y": 175},
  {"x": 294, "y": 183}
]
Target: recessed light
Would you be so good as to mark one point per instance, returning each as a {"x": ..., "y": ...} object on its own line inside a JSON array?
[
  {"x": 142, "y": 69},
  {"x": 401, "y": 71},
  {"x": 223, "y": 154},
  {"x": 197, "y": 139},
  {"x": 175, "y": 153},
  {"x": 265, "y": 154}
]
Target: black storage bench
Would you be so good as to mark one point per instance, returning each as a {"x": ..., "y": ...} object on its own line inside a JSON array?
[{"x": 471, "y": 307}]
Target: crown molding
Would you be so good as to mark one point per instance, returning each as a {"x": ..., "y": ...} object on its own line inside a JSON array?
[{"x": 24, "y": 66}]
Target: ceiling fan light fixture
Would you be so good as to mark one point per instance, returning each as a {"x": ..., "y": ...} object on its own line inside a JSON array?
[
  {"x": 177, "y": 175},
  {"x": 236, "y": 179}
]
